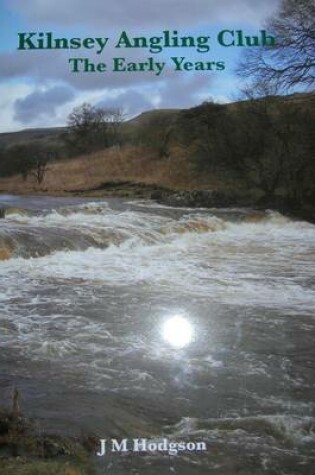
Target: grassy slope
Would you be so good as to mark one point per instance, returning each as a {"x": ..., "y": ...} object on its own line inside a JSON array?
[
  {"x": 45, "y": 135},
  {"x": 128, "y": 163}
]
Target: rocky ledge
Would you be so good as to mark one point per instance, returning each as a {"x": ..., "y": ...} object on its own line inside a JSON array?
[
  {"x": 199, "y": 198},
  {"x": 226, "y": 199}
]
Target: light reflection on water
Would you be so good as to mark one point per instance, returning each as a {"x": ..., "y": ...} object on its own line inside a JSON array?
[{"x": 178, "y": 331}]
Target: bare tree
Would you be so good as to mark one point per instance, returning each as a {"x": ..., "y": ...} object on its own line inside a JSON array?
[
  {"x": 291, "y": 61},
  {"x": 87, "y": 128},
  {"x": 157, "y": 132},
  {"x": 202, "y": 129},
  {"x": 28, "y": 159},
  {"x": 91, "y": 128},
  {"x": 114, "y": 118},
  {"x": 41, "y": 161}
]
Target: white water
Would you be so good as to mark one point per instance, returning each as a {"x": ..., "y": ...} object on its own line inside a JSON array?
[
  {"x": 266, "y": 263},
  {"x": 88, "y": 289}
]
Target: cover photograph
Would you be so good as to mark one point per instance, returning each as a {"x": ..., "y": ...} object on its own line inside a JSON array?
[{"x": 157, "y": 237}]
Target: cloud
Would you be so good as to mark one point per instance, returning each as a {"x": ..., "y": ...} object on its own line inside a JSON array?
[
  {"x": 41, "y": 66},
  {"x": 9, "y": 93},
  {"x": 130, "y": 101},
  {"x": 176, "y": 92},
  {"x": 140, "y": 14},
  {"x": 186, "y": 91},
  {"x": 51, "y": 98},
  {"x": 43, "y": 90},
  {"x": 41, "y": 104}
]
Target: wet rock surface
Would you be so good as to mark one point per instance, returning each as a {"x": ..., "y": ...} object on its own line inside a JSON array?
[
  {"x": 230, "y": 199},
  {"x": 195, "y": 198}
]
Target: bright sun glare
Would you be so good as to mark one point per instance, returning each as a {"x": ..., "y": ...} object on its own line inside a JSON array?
[{"x": 177, "y": 331}]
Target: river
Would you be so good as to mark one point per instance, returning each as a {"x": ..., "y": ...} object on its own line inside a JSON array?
[{"x": 93, "y": 295}]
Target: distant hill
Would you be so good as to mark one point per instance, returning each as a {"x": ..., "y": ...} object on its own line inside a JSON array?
[
  {"x": 147, "y": 116},
  {"x": 54, "y": 134},
  {"x": 46, "y": 134}
]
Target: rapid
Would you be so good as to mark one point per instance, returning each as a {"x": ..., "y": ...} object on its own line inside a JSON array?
[{"x": 85, "y": 290}]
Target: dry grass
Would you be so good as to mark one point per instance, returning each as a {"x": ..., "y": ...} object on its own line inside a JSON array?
[
  {"x": 25, "y": 451},
  {"x": 22, "y": 466},
  {"x": 129, "y": 163}
]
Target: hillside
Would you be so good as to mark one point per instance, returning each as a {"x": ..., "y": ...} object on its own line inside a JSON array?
[
  {"x": 261, "y": 152},
  {"x": 46, "y": 135}
]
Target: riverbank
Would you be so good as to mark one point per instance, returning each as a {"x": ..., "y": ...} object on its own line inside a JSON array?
[
  {"x": 26, "y": 450},
  {"x": 195, "y": 198},
  {"x": 135, "y": 172}
]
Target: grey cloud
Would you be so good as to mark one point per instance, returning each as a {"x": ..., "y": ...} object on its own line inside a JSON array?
[
  {"x": 45, "y": 66},
  {"x": 131, "y": 102},
  {"x": 137, "y": 13},
  {"x": 133, "y": 91},
  {"x": 184, "y": 92},
  {"x": 41, "y": 104},
  {"x": 14, "y": 66},
  {"x": 174, "y": 93}
]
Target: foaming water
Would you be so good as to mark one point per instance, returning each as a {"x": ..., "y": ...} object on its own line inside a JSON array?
[{"x": 87, "y": 288}]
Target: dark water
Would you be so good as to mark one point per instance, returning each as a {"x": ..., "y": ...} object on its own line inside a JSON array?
[{"x": 86, "y": 291}]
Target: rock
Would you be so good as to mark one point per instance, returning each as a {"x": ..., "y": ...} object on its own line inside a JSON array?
[
  {"x": 5, "y": 254},
  {"x": 2, "y": 213},
  {"x": 196, "y": 198},
  {"x": 54, "y": 448},
  {"x": 156, "y": 195}
]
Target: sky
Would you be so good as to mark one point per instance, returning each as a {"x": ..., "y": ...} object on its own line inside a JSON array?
[{"x": 39, "y": 89}]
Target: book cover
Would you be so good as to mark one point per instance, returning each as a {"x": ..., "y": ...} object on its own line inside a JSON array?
[{"x": 157, "y": 239}]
